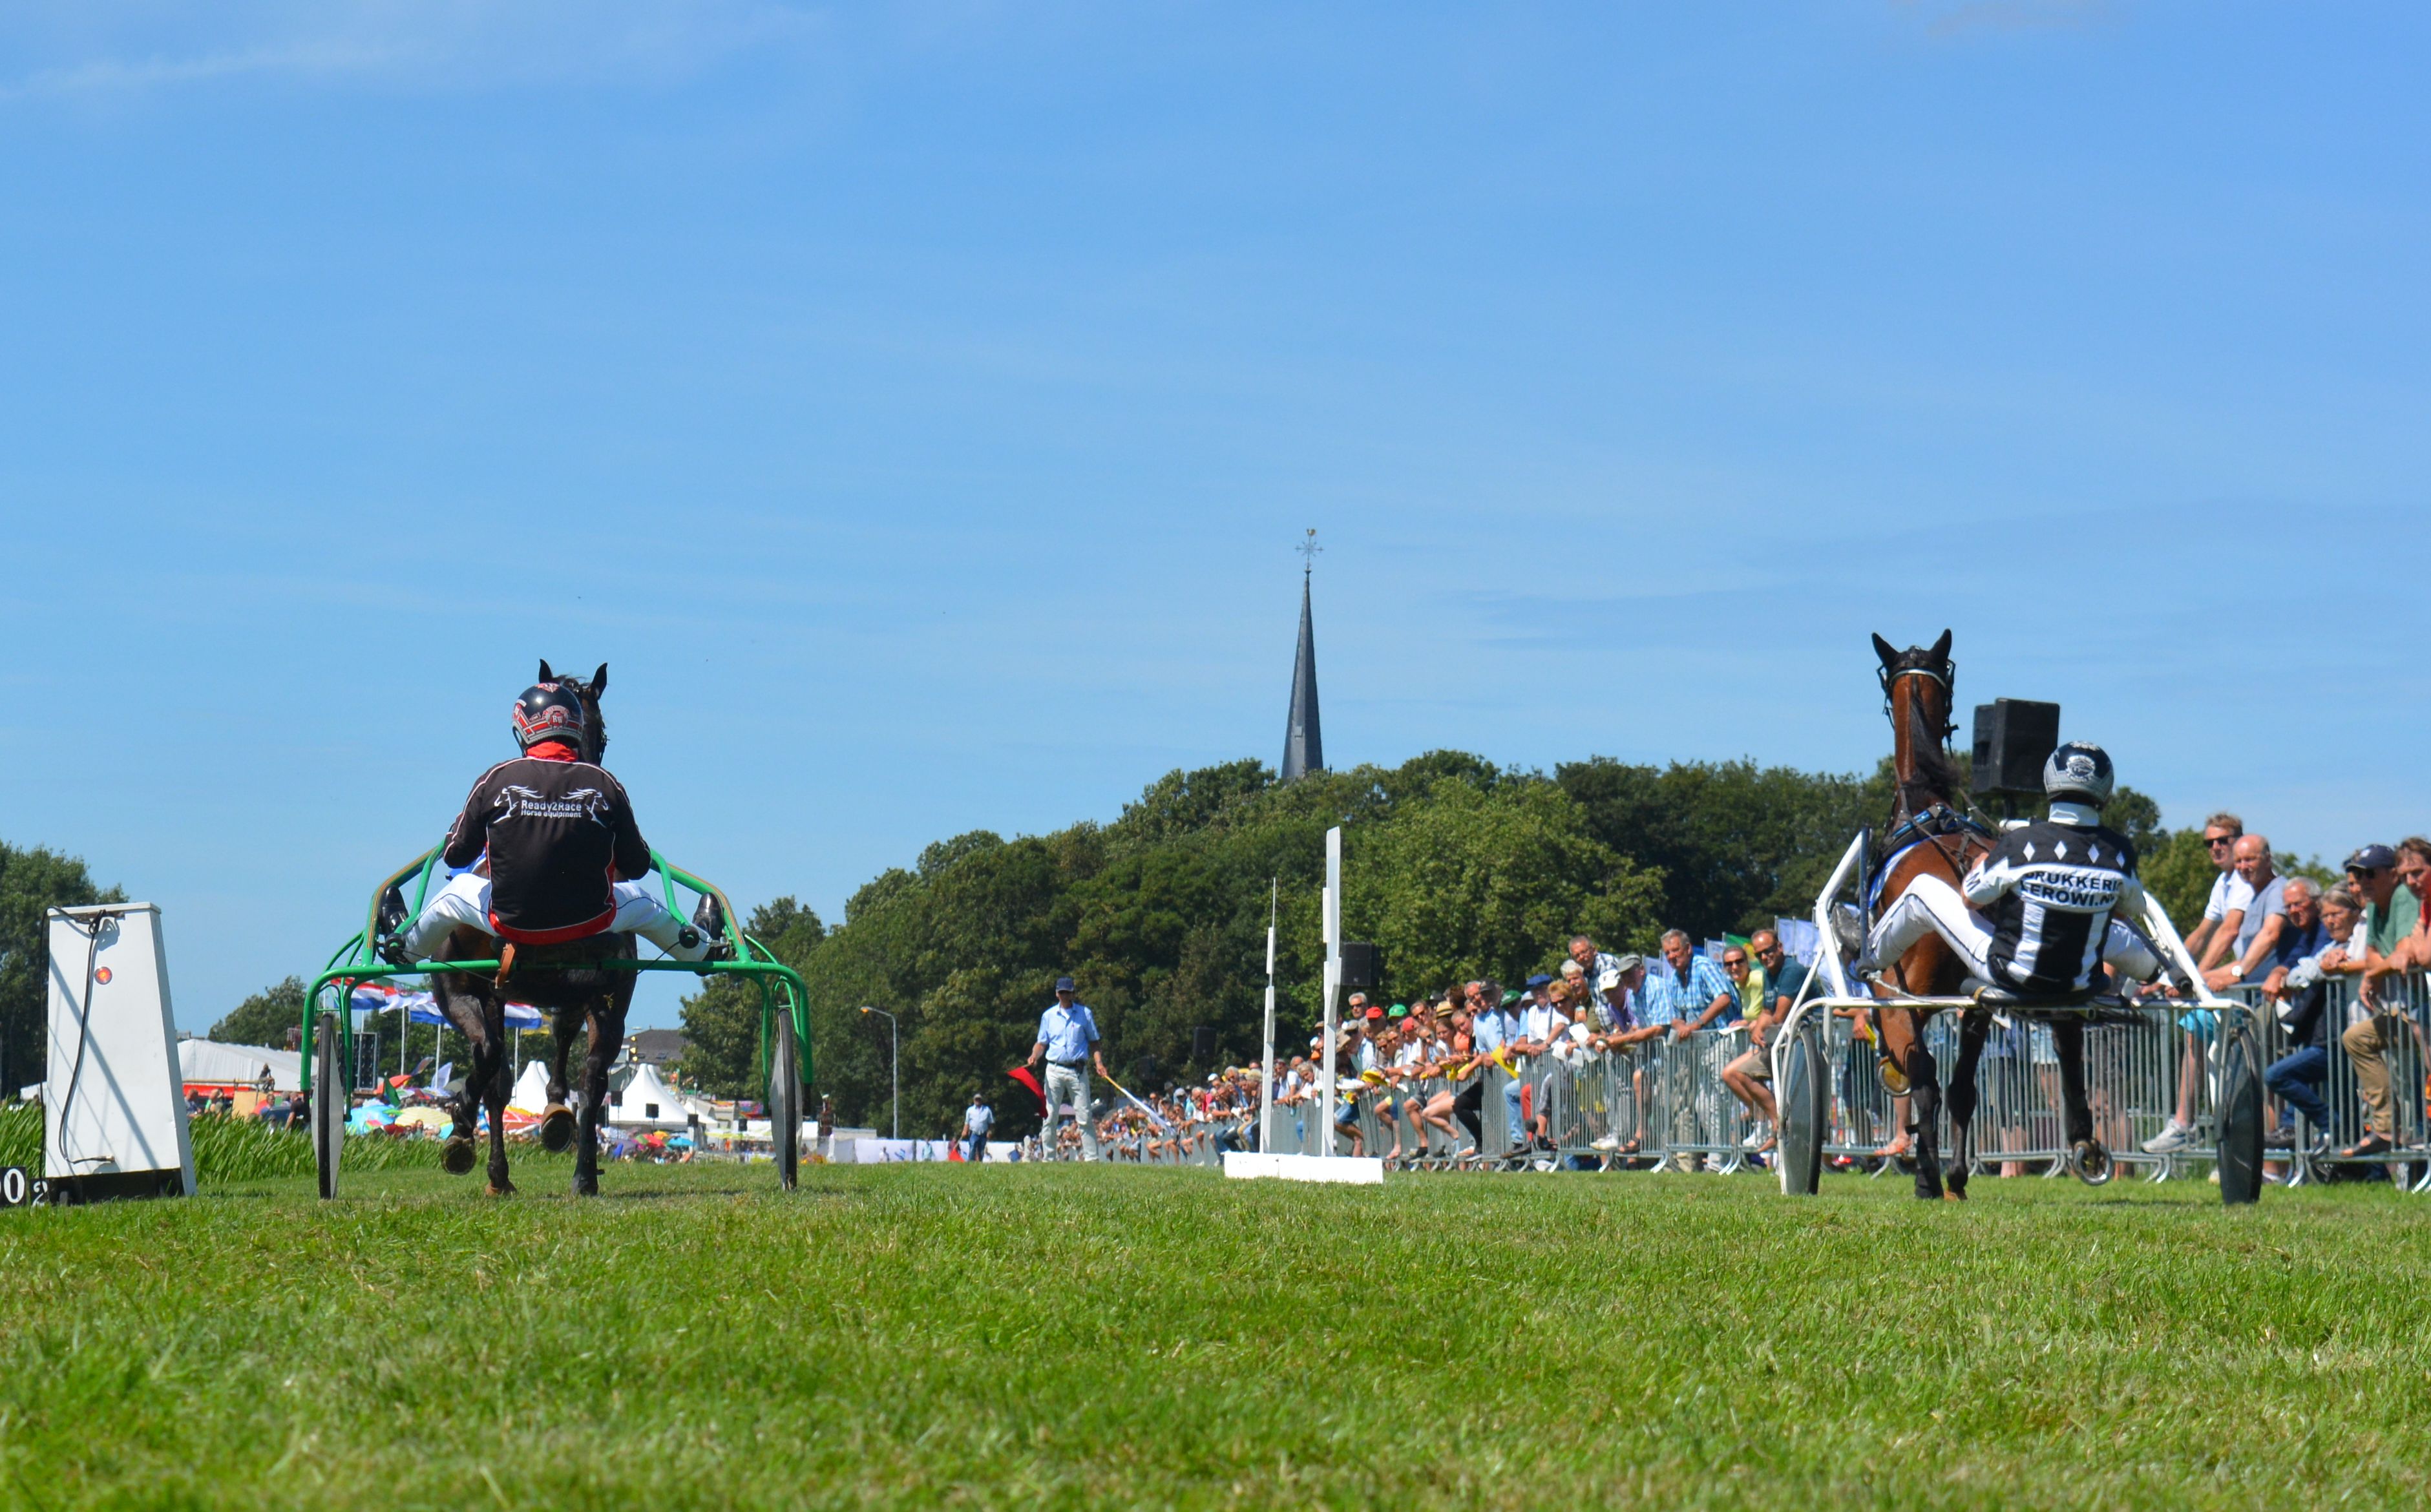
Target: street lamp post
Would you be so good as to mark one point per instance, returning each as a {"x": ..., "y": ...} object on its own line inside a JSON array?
[{"x": 894, "y": 1066}]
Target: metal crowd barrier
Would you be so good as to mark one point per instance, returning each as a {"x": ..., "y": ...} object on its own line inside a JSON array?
[{"x": 1662, "y": 1105}]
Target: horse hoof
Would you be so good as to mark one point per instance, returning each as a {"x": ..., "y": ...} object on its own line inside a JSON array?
[
  {"x": 1956, "y": 1194},
  {"x": 458, "y": 1157},
  {"x": 2090, "y": 1163},
  {"x": 557, "y": 1128},
  {"x": 502, "y": 1188}
]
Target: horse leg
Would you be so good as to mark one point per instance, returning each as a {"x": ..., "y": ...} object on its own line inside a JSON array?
[
  {"x": 493, "y": 1083},
  {"x": 2091, "y": 1161},
  {"x": 462, "y": 1009},
  {"x": 1904, "y": 1041},
  {"x": 557, "y": 1120},
  {"x": 607, "y": 1036},
  {"x": 1963, "y": 1090}
]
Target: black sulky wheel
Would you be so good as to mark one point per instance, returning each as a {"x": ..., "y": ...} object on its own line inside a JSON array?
[
  {"x": 785, "y": 1102},
  {"x": 329, "y": 1109},
  {"x": 1802, "y": 1093},
  {"x": 2240, "y": 1119}
]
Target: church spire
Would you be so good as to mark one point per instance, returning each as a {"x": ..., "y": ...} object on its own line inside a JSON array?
[{"x": 1303, "y": 741}]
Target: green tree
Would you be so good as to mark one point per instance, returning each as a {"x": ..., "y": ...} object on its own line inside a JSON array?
[
  {"x": 267, "y": 1018},
  {"x": 31, "y": 882},
  {"x": 722, "y": 1020}
]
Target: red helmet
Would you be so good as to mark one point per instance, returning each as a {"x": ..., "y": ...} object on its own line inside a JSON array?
[{"x": 548, "y": 710}]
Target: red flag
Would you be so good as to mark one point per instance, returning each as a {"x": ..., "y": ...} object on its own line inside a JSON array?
[
  {"x": 953, "y": 1149},
  {"x": 1021, "y": 1074}
]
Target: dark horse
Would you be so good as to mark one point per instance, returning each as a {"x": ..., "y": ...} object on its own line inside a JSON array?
[
  {"x": 1929, "y": 837},
  {"x": 546, "y": 976}
]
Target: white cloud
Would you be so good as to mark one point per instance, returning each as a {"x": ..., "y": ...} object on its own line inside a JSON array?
[{"x": 106, "y": 51}]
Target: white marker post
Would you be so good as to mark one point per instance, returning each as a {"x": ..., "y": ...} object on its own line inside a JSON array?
[
  {"x": 1328, "y": 1166},
  {"x": 1266, "y": 1083},
  {"x": 1333, "y": 987}
]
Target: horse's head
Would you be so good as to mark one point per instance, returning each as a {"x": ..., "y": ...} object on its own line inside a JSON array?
[
  {"x": 1918, "y": 693},
  {"x": 594, "y": 728}
]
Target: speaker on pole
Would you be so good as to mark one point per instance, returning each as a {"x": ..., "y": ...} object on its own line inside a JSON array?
[{"x": 1362, "y": 966}]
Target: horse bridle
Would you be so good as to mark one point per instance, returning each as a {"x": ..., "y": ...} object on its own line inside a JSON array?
[{"x": 1948, "y": 678}]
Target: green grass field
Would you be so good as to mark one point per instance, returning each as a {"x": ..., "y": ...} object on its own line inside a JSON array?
[{"x": 1025, "y": 1336}]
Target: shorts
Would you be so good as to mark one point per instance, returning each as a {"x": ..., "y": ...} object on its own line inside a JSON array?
[
  {"x": 1755, "y": 1064},
  {"x": 2199, "y": 1023}
]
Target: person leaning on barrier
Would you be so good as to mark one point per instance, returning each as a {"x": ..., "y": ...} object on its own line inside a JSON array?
[
  {"x": 2256, "y": 933},
  {"x": 1069, "y": 1043},
  {"x": 1749, "y": 1076},
  {"x": 1489, "y": 1027},
  {"x": 2394, "y": 944},
  {"x": 2224, "y": 909},
  {"x": 2299, "y": 993},
  {"x": 1689, "y": 992}
]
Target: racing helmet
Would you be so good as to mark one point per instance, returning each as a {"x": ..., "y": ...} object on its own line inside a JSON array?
[
  {"x": 2079, "y": 770},
  {"x": 548, "y": 710}
]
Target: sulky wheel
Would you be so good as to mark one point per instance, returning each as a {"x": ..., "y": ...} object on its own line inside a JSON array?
[
  {"x": 1800, "y": 1093},
  {"x": 785, "y": 1103},
  {"x": 329, "y": 1108},
  {"x": 2241, "y": 1119}
]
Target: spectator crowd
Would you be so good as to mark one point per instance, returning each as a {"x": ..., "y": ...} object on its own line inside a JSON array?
[{"x": 2327, "y": 962}]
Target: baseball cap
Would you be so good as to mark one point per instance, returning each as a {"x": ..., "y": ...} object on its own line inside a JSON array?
[
  {"x": 1401, "y": 1010},
  {"x": 1065, "y": 984},
  {"x": 1539, "y": 980},
  {"x": 1373, "y": 1011},
  {"x": 2371, "y": 858},
  {"x": 1510, "y": 998}
]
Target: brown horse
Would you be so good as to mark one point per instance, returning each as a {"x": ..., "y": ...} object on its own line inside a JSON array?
[
  {"x": 546, "y": 976},
  {"x": 1929, "y": 837}
]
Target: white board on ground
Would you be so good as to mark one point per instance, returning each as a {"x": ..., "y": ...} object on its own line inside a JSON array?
[
  {"x": 1351, "y": 1171},
  {"x": 113, "y": 1124}
]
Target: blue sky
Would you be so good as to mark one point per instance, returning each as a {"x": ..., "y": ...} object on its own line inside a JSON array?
[{"x": 916, "y": 408}]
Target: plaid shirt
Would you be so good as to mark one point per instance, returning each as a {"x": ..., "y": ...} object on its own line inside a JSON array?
[{"x": 1664, "y": 999}]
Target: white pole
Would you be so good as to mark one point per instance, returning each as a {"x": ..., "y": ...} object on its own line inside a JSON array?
[
  {"x": 1267, "y": 1081},
  {"x": 1333, "y": 987}
]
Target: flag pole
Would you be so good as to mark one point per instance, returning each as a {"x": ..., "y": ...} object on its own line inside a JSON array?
[{"x": 1267, "y": 1081}]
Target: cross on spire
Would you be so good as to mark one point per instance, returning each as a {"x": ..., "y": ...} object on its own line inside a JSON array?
[{"x": 1308, "y": 550}]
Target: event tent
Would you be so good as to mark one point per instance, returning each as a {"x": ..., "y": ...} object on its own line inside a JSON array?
[
  {"x": 645, "y": 1101},
  {"x": 530, "y": 1094},
  {"x": 203, "y": 1063}
]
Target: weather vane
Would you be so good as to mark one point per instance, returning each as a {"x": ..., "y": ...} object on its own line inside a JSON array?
[{"x": 1309, "y": 548}]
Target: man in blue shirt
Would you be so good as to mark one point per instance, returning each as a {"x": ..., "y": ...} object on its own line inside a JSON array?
[
  {"x": 977, "y": 1120},
  {"x": 1068, "y": 1043},
  {"x": 1687, "y": 991}
]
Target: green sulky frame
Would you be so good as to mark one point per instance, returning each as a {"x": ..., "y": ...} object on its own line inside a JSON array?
[{"x": 357, "y": 960}]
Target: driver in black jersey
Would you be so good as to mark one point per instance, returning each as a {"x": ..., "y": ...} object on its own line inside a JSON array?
[{"x": 2047, "y": 907}]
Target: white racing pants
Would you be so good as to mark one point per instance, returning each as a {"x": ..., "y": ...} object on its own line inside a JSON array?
[
  {"x": 1931, "y": 906},
  {"x": 465, "y": 902}
]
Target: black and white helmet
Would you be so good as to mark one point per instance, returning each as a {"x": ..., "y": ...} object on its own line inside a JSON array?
[
  {"x": 2078, "y": 770},
  {"x": 548, "y": 710}
]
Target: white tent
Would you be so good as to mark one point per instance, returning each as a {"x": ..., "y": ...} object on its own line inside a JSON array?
[
  {"x": 646, "y": 1101},
  {"x": 530, "y": 1094},
  {"x": 210, "y": 1064}
]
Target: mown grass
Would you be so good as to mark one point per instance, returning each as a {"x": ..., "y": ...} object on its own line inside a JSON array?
[{"x": 1014, "y": 1336}]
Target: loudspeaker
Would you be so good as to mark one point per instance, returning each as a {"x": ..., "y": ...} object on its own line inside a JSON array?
[
  {"x": 1202, "y": 1045},
  {"x": 2012, "y": 738},
  {"x": 1362, "y": 966}
]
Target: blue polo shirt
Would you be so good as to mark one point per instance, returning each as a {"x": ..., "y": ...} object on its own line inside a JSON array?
[{"x": 1068, "y": 1032}]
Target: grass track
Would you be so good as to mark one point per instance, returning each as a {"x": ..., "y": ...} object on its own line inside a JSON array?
[{"x": 1014, "y": 1336}]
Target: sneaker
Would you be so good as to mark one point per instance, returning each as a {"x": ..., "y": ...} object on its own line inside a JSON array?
[
  {"x": 2173, "y": 1137},
  {"x": 2282, "y": 1138},
  {"x": 1608, "y": 1142}
]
